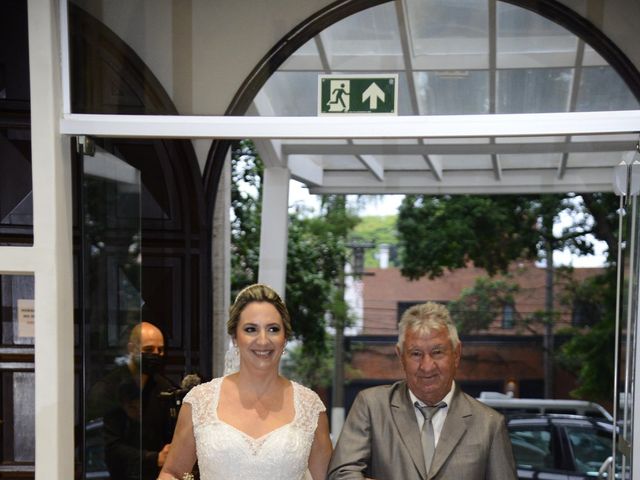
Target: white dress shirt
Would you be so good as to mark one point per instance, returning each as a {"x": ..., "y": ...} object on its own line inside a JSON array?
[{"x": 438, "y": 418}]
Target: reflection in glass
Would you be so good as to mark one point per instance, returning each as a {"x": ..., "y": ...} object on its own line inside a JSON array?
[
  {"x": 17, "y": 309},
  {"x": 16, "y": 203},
  {"x": 111, "y": 204},
  {"x": 17, "y": 429}
]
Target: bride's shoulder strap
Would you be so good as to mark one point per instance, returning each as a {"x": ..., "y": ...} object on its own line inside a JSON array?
[
  {"x": 308, "y": 406},
  {"x": 202, "y": 399}
]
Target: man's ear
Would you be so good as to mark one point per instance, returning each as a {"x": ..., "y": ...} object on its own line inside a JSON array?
[
  {"x": 398, "y": 352},
  {"x": 458, "y": 354}
]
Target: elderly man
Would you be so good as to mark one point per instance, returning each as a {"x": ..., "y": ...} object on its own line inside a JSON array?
[{"x": 423, "y": 427}]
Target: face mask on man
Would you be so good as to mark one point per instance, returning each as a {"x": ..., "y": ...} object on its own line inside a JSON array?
[{"x": 151, "y": 363}]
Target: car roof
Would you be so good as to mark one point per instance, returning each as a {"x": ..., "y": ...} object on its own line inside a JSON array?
[
  {"x": 505, "y": 404},
  {"x": 558, "y": 420}
]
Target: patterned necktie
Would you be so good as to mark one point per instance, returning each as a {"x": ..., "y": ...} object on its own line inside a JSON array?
[{"x": 428, "y": 437}]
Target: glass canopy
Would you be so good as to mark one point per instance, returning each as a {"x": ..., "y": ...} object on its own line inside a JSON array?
[{"x": 463, "y": 57}]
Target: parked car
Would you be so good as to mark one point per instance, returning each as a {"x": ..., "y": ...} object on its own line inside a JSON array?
[
  {"x": 511, "y": 406},
  {"x": 559, "y": 446}
]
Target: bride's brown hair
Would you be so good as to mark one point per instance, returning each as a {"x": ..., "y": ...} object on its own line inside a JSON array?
[{"x": 258, "y": 293}]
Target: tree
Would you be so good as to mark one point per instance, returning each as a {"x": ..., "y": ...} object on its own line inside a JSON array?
[
  {"x": 493, "y": 231},
  {"x": 449, "y": 231},
  {"x": 315, "y": 264},
  {"x": 590, "y": 353},
  {"x": 478, "y": 306},
  {"x": 317, "y": 253},
  {"x": 246, "y": 202}
]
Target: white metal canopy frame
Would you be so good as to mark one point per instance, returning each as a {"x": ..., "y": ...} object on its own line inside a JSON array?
[
  {"x": 604, "y": 135},
  {"x": 455, "y": 66},
  {"x": 50, "y": 258}
]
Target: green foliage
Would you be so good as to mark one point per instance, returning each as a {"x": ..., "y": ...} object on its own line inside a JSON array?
[
  {"x": 316, "y": 370},
  {"x": 378, "y": 230},
  {"x": 317, "y": 254},
  {"x": 590, "y": 354},
  {"x": 478, "y": 306},
  {"x": 246, "y": 205},
  {"x": 449, "y": 231}
]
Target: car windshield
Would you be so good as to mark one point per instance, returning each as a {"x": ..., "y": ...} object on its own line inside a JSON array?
[{"x": 590, "y": 448}]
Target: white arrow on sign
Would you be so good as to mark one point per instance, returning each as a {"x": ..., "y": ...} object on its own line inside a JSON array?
[{"x": 373, "y": 93}]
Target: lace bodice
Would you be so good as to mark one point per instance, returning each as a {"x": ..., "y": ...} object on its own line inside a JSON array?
[{"x": 225, "y": 452}]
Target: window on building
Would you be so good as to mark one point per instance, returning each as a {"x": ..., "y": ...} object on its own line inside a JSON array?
[
  {"x": 584, "y": 314},
  {"x": 508, "y": 315}
]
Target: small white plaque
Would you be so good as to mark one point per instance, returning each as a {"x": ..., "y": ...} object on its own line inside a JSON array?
[{"x": 26, "y": 318}]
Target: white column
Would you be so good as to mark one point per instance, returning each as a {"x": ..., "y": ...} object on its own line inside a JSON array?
[
  {"x": 52, "y": 250},
  {"x": 274, "y": 228},
  {"x": 221, "y": 265}
]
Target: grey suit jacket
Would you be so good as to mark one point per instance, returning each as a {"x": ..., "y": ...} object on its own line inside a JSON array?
[{"x": 381, "y": 440}]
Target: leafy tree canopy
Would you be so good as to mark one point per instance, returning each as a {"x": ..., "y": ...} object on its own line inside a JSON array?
[
  {"x": 590, "y": 353},
  {"x": 448, "y": 232},
  {"x": 377, "y": 229},
  {"x": 317, "y": 251}
]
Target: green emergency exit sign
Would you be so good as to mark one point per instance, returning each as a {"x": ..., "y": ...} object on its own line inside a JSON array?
[{"x": 357, "y": 94}]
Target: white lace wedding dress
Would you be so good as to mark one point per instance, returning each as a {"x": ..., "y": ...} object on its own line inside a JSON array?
[{"x": 224, "y": 452}]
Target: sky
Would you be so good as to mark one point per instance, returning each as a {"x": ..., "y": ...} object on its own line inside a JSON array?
[{"x": 382, "y": 205}]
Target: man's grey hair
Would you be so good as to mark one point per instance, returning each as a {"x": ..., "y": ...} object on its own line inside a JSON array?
[{"x": 426, "y": 318}]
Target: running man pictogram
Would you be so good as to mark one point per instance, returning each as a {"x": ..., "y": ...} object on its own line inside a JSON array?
[{"x": 339, "y": 96}]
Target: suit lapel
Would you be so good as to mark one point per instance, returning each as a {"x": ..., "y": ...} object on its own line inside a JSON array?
[
  {"x": 455, "y": 425},
  {"x": 404, "y": 417}
]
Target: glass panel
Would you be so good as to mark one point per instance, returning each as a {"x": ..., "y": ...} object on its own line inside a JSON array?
[
  {"x": 17, "y": 428},
  {"x": 448, "y": 35},
  {"x": 17, "y": 310},
  {"x": 541, "y": 90},
  {"x": 526, "y": 40},
  {"x": 601, "y": 88},
  {"x": 14, "y": 56},
  {"x": 289, "y": 93},
  {"x": 16, "y": 208},
  {"x": 112, "y": 306},
  {"x": 365, "y": 40},
  {"x": 463, "y": 92},
  {"x": 24, "y": 417}
]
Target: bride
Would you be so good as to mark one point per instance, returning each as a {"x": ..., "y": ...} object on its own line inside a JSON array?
[{"x": 253, "y": 424}]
